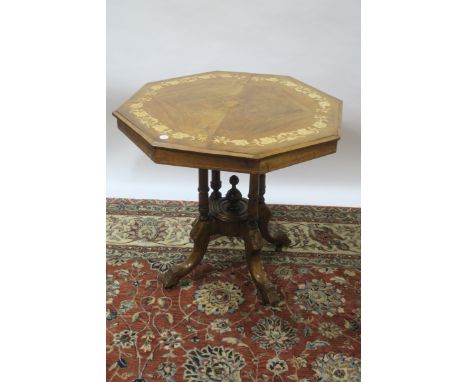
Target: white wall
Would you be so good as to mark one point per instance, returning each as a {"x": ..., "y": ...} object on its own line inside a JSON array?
[{"x": 316, "y": 41}]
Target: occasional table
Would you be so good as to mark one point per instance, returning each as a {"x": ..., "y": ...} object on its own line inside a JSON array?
[{"x": 236, "y": 122}]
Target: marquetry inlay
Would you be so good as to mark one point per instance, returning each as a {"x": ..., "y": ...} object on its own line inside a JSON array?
[{"x": 237, "y": 112}]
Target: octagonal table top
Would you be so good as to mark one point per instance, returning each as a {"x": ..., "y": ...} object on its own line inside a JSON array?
[{"x": 231, "y": 121}]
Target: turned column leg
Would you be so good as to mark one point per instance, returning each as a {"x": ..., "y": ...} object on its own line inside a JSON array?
[
  {"x": 253, "y": 245},
  {"x": 200, "y": 234},
  {"x": 280, "y": 239},
  {"x": 215, "y": 184},
  {"x": 252, "y": 206},
  {"x": 203, "y": 203}
]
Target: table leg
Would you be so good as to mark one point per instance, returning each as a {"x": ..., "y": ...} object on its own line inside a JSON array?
[
  {"x": 280, "y": 239},
  {"x": 203, "y": 203},
  {"x": 200, "y": 234},
  {"x": 215, "y": 184},
  {"x": 201, "y": 237},
  {"x": 253, "y": 245},
  {"x": 251, "y": 231}
]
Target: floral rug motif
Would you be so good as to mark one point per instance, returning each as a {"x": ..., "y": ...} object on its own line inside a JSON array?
[{"x": 211, "y": 327}]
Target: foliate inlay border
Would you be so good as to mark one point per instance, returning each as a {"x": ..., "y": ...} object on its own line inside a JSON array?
[{"x": 321, "y": 118}]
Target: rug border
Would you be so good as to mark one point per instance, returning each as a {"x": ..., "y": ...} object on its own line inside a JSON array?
[{"x": 112, "y": 200}]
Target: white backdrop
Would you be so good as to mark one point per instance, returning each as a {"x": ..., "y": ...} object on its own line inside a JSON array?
[{"x": 316, "y": 41}]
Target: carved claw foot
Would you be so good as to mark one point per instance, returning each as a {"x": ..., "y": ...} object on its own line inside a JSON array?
[
  {"x": 170, "y": 279},
  {"x": 269, "y": 297},
  {"x": 280, "y": 240}
]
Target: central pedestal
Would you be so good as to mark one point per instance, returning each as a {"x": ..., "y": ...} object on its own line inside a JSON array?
[{"x": 232, "y": 216}]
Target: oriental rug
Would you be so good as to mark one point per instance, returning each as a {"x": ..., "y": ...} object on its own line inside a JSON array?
[{"x": 212, "y": 327}]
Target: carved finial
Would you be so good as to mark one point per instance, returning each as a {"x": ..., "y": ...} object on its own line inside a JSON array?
[
  {"x": 234, "y": 180},
  {"x": 234, "y": 196}
]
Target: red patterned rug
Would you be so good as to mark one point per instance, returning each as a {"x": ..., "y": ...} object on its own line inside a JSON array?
[{"x": 212, "y": 327}]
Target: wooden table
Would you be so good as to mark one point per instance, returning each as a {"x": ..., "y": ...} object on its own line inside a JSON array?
[{"x": 236, "y": 122}]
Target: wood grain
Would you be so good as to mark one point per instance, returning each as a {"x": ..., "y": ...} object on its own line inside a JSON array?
[
  {"x": 244, "y": 116},
  {"x": 230, "y": 163}
]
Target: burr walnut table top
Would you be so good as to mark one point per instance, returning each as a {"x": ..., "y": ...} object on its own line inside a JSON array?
[{"x": 240, "y": 122}]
